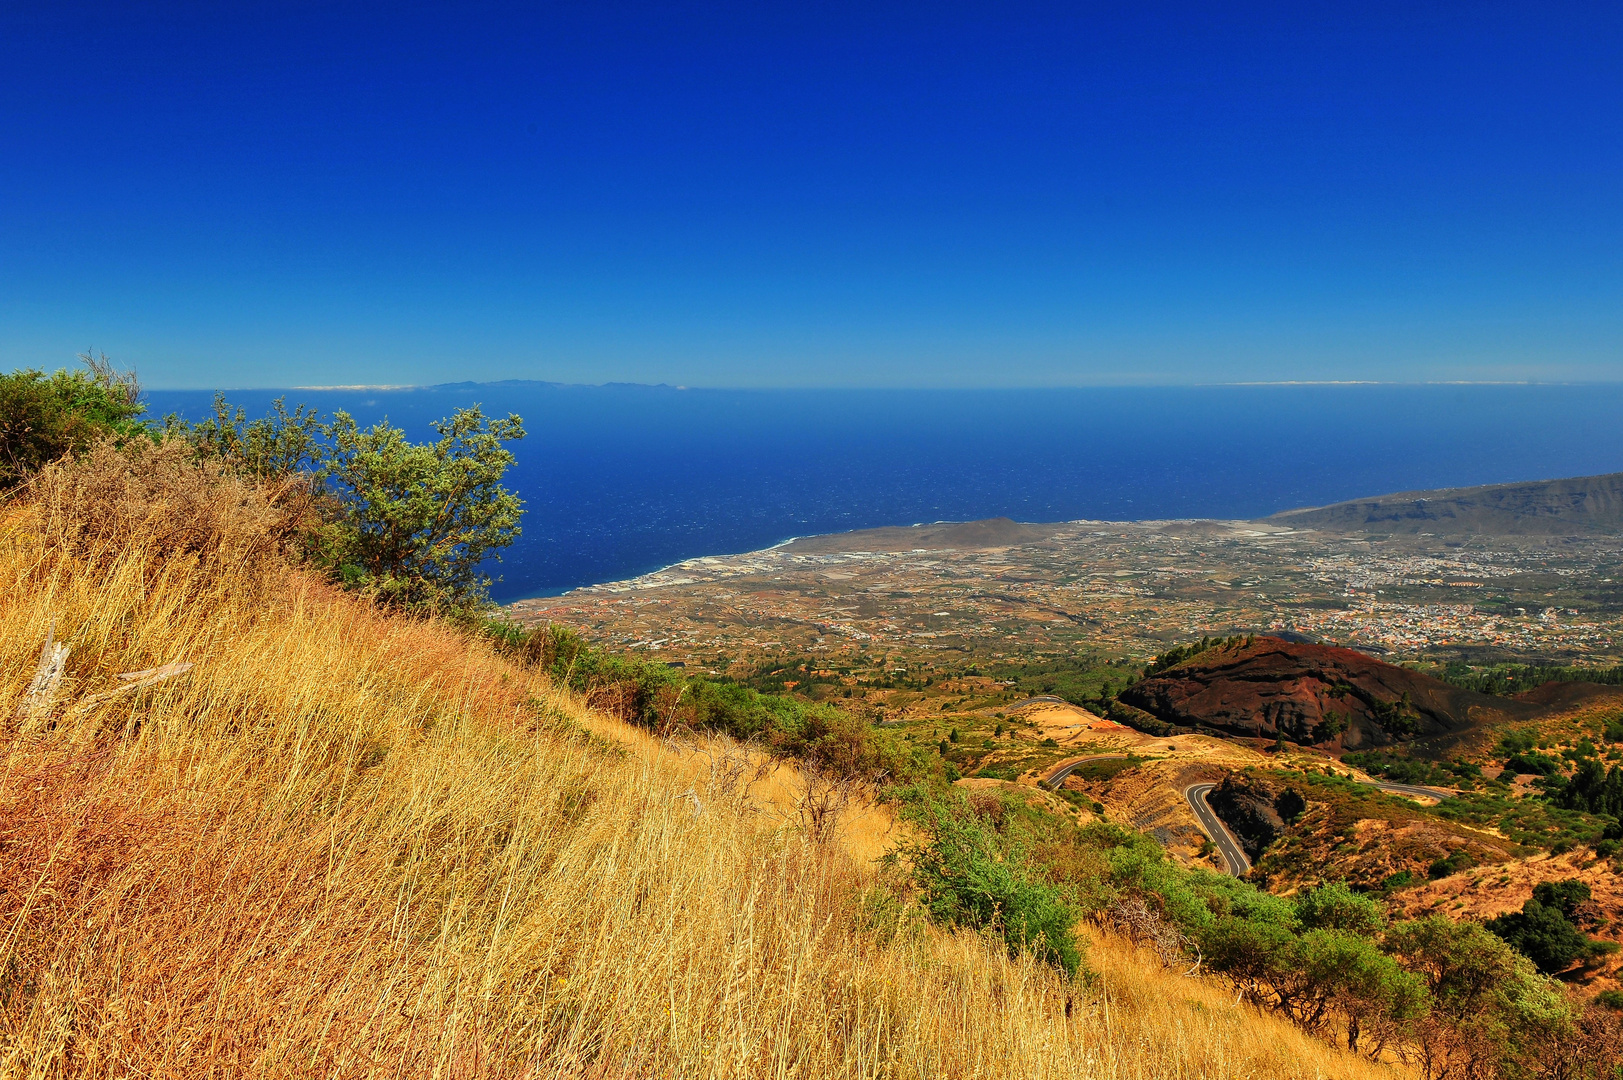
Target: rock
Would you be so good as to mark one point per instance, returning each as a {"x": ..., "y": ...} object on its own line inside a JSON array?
[{"x": 1251, "y": 810}]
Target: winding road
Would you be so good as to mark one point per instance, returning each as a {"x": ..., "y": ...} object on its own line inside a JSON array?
[
  {"x": 1417, "y": 791},
  {"x": 1057, "y": 777},
  {"x": 1228, "y": 845}
]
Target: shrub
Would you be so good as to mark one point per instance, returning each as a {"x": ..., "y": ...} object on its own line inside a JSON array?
[
  {"x": 45, "y": 417},
  {"x": 1543, "y": 931},
  {"x": 659, "y": 698},
  {"x": 278, "y": 445},
  {"x": 1451, "y": 863},
  {"x": 155, "y": 496},
  {"x": 968, "y": 876},
  {"x": 1492, "y": 1013},
  {"x": 413, "y": 524},
  {"x": 1345, "y": 975},
  {"x": 1336, "y": 907}
]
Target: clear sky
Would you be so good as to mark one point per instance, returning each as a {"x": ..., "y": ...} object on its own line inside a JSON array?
[{"x": 818, "y": 194}]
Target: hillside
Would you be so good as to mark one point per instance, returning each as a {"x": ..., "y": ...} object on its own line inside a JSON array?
[
  {"x": 1336, "y": 698},
  {"x": 1580, "y": 505},
  {"x": 344, "y": 843}
]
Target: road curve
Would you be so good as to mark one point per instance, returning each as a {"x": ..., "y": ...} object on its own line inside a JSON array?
[
  {"x": 1415, "y": 791},
  {"x": 1057, "y": 777},
  {"x": 1041, "y": 699},
  {"x": 1228, "y": 845}
]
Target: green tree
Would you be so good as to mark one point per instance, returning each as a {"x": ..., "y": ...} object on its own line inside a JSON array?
[
  {"x": 43, "y": 417},
  {"x": 1492, "y": 1013},
  {"x": 1543, "y": 931},
  {"x": 1336, "y": 907},
  {"x": 1344, "y": 976},
  {"x": 414, "y": 522},
  {"x": 274, "y": 446}
]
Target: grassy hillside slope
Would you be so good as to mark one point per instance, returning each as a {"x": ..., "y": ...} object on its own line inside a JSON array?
[{"x": 349, "y": 844}]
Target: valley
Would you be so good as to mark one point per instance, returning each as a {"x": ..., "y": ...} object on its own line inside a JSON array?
[{"x": 1295, "y": 730}]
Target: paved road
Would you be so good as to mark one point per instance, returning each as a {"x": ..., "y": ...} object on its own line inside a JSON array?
[
  {"x": 1042, "y": 699},
  {"x": 1414, "y": 791},
  {"x": 1057, "y": 777},
  {"x": 1228, "y": 845}
]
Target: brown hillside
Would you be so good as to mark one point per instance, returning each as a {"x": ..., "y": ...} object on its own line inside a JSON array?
[
  {"x": 1315, "y": 694},
  {"x": 1571, "y": 695}
]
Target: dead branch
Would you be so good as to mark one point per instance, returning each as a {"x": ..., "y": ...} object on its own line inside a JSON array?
[
  {"x": 1130, "y": 915},
  {"x": 824, "y": 797},
  {"x": 41, "y": 692},
  {"x": 734, "y": 766},
  {"x": 142, "y": 678}
]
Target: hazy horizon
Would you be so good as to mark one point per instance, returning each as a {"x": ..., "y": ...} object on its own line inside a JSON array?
[
  {"x": 623, "y": 479},
  {"x": 1328, "y": 383}
]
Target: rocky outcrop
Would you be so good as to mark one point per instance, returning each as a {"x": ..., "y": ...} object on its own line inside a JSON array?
[
  {"x": 1255, "y": 812},
  {"x": 1339, "y": 699}
]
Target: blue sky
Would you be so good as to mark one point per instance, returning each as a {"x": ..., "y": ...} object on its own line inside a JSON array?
[{"x": 818, "y": 195}]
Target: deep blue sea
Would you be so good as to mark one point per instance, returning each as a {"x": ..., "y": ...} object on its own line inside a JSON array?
[{"x": 620, "y": 480}]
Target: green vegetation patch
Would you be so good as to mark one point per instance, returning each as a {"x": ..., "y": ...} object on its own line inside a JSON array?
[
  {"x": 1505, "y": 680},
  {"x": 660, "y": 698},
  {"x": 44, "y": 417},
  {"x": 1108, "y": 769}
]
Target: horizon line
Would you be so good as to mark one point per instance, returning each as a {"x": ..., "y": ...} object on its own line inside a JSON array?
[{"x": 396, "y": 387}]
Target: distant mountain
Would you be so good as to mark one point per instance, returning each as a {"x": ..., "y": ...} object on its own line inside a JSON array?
[
  {"x": 1585, "y": 504},
  {"x": 1315, "y": 695}
]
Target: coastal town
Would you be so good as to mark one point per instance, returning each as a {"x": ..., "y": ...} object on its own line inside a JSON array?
[{"x": 1125, "y": 590}]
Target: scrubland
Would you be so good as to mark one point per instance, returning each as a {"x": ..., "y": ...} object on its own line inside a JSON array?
[{"x": 346, "y": 843}]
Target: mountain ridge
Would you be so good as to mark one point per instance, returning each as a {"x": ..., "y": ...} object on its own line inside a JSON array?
[{"x": 1580, "y": 504}]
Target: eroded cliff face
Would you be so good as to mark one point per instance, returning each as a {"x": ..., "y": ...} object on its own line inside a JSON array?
[{"x": 1314, "y": 695}]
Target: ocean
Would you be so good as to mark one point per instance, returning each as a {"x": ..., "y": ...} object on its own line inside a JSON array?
[{"x": 620, "y": 480}]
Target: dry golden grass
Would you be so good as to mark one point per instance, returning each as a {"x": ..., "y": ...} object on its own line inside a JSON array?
[{"x": 346, "y": 844}]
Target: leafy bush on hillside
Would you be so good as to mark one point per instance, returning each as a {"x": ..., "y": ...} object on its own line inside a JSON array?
[
  {"x": 44, "y": 417},
  {"x": 663, "y": 699},
  {"x": 413, "y": 523},
  {"x": 1450, "y": 994},
  {"x": 1543, "y": 930},
  {"x": 277, "y": 445},
  {"x": 967, "y": 875},
  {"x": 1491, "y": 1012}
]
